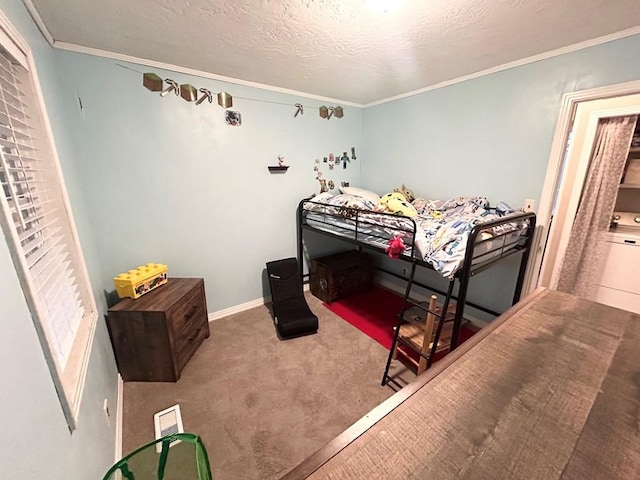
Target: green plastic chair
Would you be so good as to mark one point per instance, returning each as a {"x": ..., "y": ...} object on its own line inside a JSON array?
[{"x": 186, "y": 460}]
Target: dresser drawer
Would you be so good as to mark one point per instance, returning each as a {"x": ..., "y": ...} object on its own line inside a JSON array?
[
  {"x": 184, "y": 337},
  {"x": 190, "y": 308},
  {"x": 189, "y": 342}
]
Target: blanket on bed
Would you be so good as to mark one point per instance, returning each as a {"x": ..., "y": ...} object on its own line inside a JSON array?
[{"x": 442, "y": 227}]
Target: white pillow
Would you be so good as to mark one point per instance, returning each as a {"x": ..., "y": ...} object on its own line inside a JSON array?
[
  {"x": 323, "y": 197},
  {"x": 373, "y": 197}
]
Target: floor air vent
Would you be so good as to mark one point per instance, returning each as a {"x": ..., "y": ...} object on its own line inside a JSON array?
[{"x": 166, "y": 422}]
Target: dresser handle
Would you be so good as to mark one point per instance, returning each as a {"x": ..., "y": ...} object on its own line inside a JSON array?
[
  {"x": 190, "y": 313},
  {"x": 191, "y": 339}
]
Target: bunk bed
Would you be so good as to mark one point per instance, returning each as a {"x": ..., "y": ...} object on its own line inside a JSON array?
[{"x": 479, "y": 244}]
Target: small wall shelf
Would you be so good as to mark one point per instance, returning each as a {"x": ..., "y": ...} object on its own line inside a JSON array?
[{"x": 278, "y": 168}]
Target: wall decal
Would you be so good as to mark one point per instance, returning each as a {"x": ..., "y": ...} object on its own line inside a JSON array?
[
  {"x": 206, "y": 95},
  {"x": 153, "y": 82},
  {"x": 188, "y": 92},
  {"x": 345, "y": 160},
  {"x": 225, "y": 100},
  {"x": 323, "y": 183},
  {"x": 173, "y": 87},
  {"x": 232, "y": 118}
]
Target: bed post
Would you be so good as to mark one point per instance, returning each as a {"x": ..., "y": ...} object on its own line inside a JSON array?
[
  {"x": 465, "y": 274},
  {"x": 441, "y": 320},
  {"x": 531, "y": 231},
  {"x": 299, "y": 240},
  {"x": 462, "y": 298}
]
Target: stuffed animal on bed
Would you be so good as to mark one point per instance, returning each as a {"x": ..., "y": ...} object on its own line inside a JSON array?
[
  {"x": 406, "y": 193},
  {"x": 395, "y": 247},
  {"x": 396, "y": 203}
]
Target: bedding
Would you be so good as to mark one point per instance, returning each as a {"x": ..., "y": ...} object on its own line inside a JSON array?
[
  {"x": 445, "y": 228},
  {"x": 361, "y": 192},
  {"x": 438, "y": 235}
]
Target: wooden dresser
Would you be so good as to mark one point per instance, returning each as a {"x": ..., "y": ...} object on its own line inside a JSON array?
[{"x": 154, "y": 336}]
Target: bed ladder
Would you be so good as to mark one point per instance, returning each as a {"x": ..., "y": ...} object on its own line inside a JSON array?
[{"x": 433, "y": 321}]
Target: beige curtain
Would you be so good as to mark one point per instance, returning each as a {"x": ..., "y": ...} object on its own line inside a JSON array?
[{"x": 582, "y": 261}]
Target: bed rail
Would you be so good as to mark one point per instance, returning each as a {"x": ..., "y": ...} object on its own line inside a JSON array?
[
  {"x": 361, "y": 227},
  {"x": 502, "y": 249}
]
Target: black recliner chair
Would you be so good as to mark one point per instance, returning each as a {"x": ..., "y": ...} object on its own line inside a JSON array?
[{"x": 291, "y": 313}]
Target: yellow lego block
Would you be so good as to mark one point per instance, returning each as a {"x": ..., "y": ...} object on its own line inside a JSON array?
[{"x": 136, "y": 283}]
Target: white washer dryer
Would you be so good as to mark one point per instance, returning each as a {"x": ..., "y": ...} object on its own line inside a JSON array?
[{"x": 619, "y": 284}]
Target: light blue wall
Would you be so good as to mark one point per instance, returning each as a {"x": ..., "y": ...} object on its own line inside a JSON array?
[
  {"x": 154, "y": 179},
  {"x": 170, "y": 182},
  {"x": 489, "y": 136},
  {"x": 37, "y": 442}
]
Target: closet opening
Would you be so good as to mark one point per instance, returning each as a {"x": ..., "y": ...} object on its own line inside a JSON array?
[{"x": 570, "y": 156}]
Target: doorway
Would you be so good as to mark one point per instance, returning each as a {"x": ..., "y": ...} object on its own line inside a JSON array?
[{"x": 567, "y": 169}]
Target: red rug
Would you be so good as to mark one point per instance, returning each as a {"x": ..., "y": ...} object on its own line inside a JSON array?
[{"x": 374, "y": 313}]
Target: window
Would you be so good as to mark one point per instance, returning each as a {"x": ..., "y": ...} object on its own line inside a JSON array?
[{"x": 37, "y": 223}]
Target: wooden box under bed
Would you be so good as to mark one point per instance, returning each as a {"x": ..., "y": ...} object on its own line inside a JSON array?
[{"x": 340, "y": 275}]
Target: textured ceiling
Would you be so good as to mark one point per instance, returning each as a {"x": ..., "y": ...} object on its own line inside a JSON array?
[{"x": 342, "y": 49}]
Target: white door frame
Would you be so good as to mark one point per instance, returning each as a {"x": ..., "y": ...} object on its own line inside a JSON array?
[{"x": 568, "y": 108}]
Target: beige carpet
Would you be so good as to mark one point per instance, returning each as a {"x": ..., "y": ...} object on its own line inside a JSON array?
[{"x": 263, "y": 405}]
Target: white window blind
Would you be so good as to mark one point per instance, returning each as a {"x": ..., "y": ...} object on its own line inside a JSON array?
[{"x": 38, "y": 228}]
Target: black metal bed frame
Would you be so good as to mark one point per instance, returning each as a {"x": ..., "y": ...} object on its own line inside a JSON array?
[{"x": 472, "y": 264}]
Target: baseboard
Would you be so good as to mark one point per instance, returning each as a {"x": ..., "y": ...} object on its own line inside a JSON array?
[
  {"x": 119, "y": 417},
  {"x": 384, "y": 283},
  {"x": 243, "y": 307}
]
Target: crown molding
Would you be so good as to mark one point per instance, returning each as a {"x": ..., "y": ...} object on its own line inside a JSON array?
[
  {"x": 72, "y": 47},
  {"x": 517, "y": 63},
  {"x": 35, "y": 15}
]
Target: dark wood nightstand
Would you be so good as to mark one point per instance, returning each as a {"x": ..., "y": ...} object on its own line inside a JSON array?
[{"x": 154, "y": 336}]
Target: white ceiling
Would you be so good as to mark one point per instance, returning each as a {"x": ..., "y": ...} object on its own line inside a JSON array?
[{"x": 340, "y": 49}]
